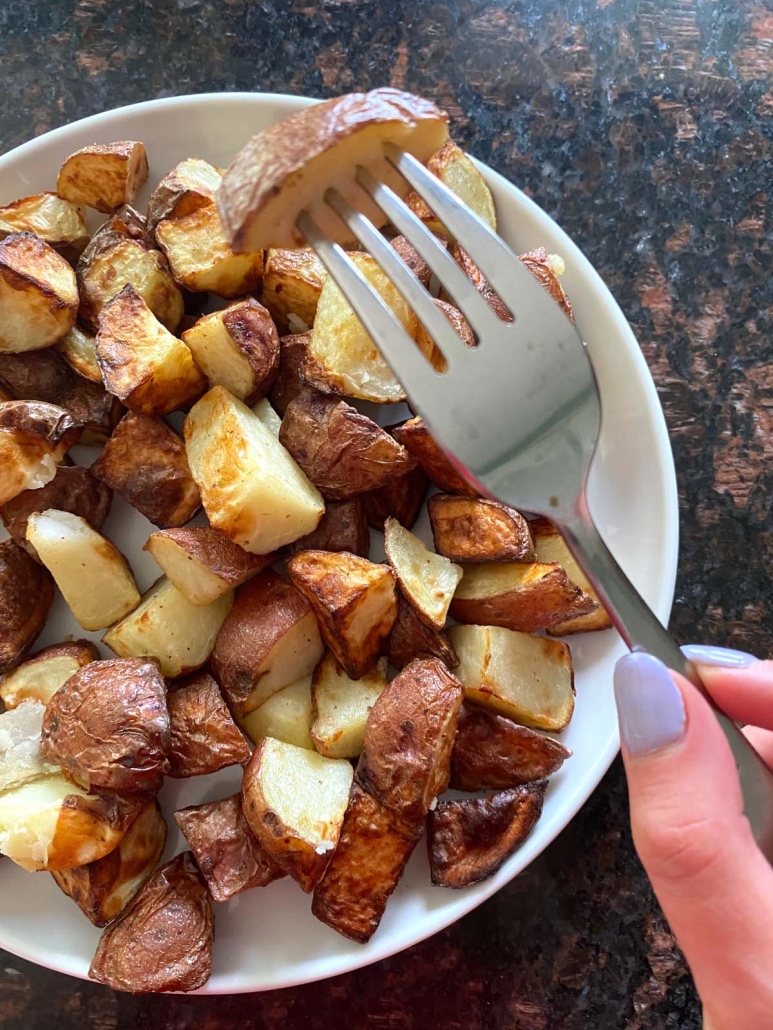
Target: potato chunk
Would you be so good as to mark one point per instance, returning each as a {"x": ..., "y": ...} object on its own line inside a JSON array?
[
  {"x": 168, "y": 627},
  {"x": 150, "y": 370},
  {"x": 412, "y": 638},
  {"x": 38, "y": 294},
  {"x": 204, "y": 737},
  {"x": 342, "y": 706},
  {"x": 528, "y": 679},
  {"x": 417, "y": 440},
  {"x": 26, "y": 595},
  {"x": 292, "y": 283},
  {"x": 551, "y": 547},
  {"x": 294, "y": 801},
  {"x": 287, "y": 716},
  {"x": 51, "y": 218},
  {"x": 189, "y": 186},
  {"x": 475, "y": 529},
  {"x": 455, "y": 169},
  {"x": 77, "y": 349},
  {"x": 104, "y": 175},
  {"x": 42, "y": 674},
  {"x": 22, "y": 758},
  {"x": 343, "y": 528},
  {"x": 34, "y": 438},
  {"x": 289, "y": 381},
  {"x": 401, "y": 498},
  {"x": 354, "y": 600},
  {"x": 427, "y": 580},
  {"x": 93, "y": 575},
  {"x": 251, "y": 488}
]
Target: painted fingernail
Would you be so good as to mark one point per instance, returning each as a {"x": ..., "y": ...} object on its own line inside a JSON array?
[
  {"x": 726, "y": 657},
  {"x": 649, "y": 704}
]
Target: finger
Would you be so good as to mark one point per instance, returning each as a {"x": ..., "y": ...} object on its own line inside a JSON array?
[
  {"x": 714, "y": 884},
  {"x": 762, "y": 742},
  {"x": 744, "y": 692}
]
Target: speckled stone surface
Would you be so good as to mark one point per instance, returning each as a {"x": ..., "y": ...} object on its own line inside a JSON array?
[{"x": 645, "y": 127}]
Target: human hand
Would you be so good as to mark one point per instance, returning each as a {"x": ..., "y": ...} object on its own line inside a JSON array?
[{"x": 712, "y": 881}]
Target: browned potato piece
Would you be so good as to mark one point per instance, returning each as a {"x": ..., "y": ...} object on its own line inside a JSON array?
[
  {"x": 201, "y": 259},
  {"x": 108, "y": 726},
  {"x": 400, "y": 498},
  {"x": 405, "y": 760},
  {"x": 150, "y": 370},
  {"x": 104, "y": 888},
  {"x": 427, "y": 580},
  {"x": 22, "y": 759},
  {"x": 289, "y": 381},
  {"x": 145, "y": 462},
  {"x": 104, "y": 175},
  {"x": 51, "y": 218},
  {"x": 470, "y": 839},
  {"x": 269, "y": 640},
  {"x": 524, "y": 597},
  {"x": 43, "y": 673},
  {"x": 494, "y": 753},
  {"x": 354, "y": 600},
  {"x": 467, "y": 529},
  {"x": 294, "y": 801},
  {"x": 203, "y": 563},
  {"x": 72, "y": 489},
  {"x": 287, "y": 715},
  {"x": 237, "y": 348},
  {"x": 342, "y": 451},
  {"x": 287, "y": 167},
  {"x": 227, "y": 852},
  {"x": 411, "y": 638},
  {"x": 34, "y": 438},
  {"x": 426, "y": 343},
  {"x": 413, "y": 259},
  {"x": 341, "y": 707},
  {"x": 455, "y": 169},
  {"x": 292, "y": 283},
  {"x": 163, "y": 940},
  {"x": 38, "y": 294},
  {"x": 542, "y": 267},
  {"x": 204, "y": 737},
  {"x": 551, "y": 547},
  {"x": 26, "y": 595},
  {"x": 77, "y": 349},
  {"x": 189, "y": 186},
  {"x": 343, "y": 528},
  {"x": 373, "y": 850},
  {"x": 528, "y": 679},
  {"x": 481, "y": 283},
  {"x": 417, "y": 440}
]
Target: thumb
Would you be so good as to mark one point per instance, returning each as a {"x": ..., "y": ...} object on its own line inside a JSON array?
[{"x": 714, "y": 884}]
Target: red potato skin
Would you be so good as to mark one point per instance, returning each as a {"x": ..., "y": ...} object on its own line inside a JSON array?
[
  {"x": 203, "y": 736},
  {"x": 411, "y": 638},
  {"x": 401, "y": 498},
  {"x": 26, "y": 596},
  {"x": 343, "y": 527}
]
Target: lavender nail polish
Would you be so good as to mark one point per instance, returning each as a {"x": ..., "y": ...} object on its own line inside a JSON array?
[
  {"x": 725, "y": 657},
  {"x": 649, "y": 704}
]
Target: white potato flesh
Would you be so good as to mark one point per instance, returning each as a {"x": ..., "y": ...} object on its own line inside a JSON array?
[
  {"x": 77, "y": 349},
  {"x": 28, "y": 819},
  {"x": 21, "y": 468},
  {"x": 21, "y": 753},
  {"x": 38, "y": 294},
  {"x": 550, "y": 546},
  {"x": 37, "y": 680},
  {"x": 200, "y": 584},
  {"x": 291, "y": 658},
  {"x": 427, "y": 580},
  {"x": 342, "y": 706},
  {"x": 51, "y": 218},
  {"x": 287, "y": 716},
  {"x": 92, "y": 574}
]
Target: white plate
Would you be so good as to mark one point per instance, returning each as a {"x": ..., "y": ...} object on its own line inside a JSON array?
[{"x": 268, "y": 938}]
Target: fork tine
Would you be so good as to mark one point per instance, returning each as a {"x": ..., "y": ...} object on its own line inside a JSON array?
[
  {"x": 398, "y": 349},
  {"x": 415, "y": 295}
]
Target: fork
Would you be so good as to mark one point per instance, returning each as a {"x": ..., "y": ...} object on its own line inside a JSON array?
[{"x": 537, "y": 453}]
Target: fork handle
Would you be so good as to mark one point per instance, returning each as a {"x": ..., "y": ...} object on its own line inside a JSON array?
[{"x": 641, "y": 630}]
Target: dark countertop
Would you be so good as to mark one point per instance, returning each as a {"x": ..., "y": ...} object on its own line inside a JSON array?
[{"x": 645, "y": 127}]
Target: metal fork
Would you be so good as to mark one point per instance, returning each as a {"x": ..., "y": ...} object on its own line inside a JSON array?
[{"x": 537, "y": 452}]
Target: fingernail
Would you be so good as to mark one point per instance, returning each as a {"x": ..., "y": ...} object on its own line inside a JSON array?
[
  {"x": 727, "y": 657},
  {"x": 649, "y": 704}
]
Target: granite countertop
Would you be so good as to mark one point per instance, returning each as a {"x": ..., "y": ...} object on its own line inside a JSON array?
[{"x": 645, "y": 128}]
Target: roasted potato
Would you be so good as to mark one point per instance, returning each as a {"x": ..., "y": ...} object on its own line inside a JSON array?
[
  {"x": 524, "y": 597},
  {"x": 528, "y": 679},
  {"x": 481, "y": 283},
  {"x": 494, "y": 753},
  {"x": 168, "y": 627},
  {"x": 287, "y": 716},
  {"x": 43, "y": 673},
  {"x": 104, "y": 175},
  {"x": 251, "y": 488},
  {"x": 408, "y": 253},
  {"x": 469, "y": 839},
  {"x": 269, "y": 640},
  {"x": 546, "y": 268},
  {"x": 342, "y": 356},
  {"x": 150, "y": 370},
  {"x": 51, "y": 218},
  {"x": 294, "y": 802},
  {"x": 426, "y": 342},
  {"x": 373, "y": 850},
  {"x": 189, "y": 186},
  {"x": 400, "y": 498},
  {"x": 292, "y": 283},
  {"x": 145, "y": 462},
  {"x": 34, "y": 438},
  {"x": 92, "y": 574},
  {"x": 163, "y": 940},
  {"x": 412, "y": 638},
  {"x": 406, "y": 755},
  {"x": 72, "y": 489},
  {"x": 238, "y": 348},
  {"x": 104, "y": 888},
  {"x": 287, "y": 167},
  {"x": 456, "y": 170},
  {"x": 22, "y": 758},
  {"x": 77, "y": 349},
  {"x": 343, "y": 528},
  {"x": 201, "y": 259},
  {"x": 38, "y": 294},
  {"x": 354, "y": 600},
  {"x": 551, "y": 547},
  {"x": 342, "y": 706},
  {"x": 289, "y": 381},
  {"x": 227, "y": 852},
  {"x": 108, "y": 726},
  {"x": 204, "y": 737},
  {"x": 203, "y": 563},
  {"x": 342, "y": 451},
  {"x": 427, "y": 580},
  {"x": 475, "y": 529},
  {"x": 417, "y": 440},
  {"x": 26, "y": 595}
]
